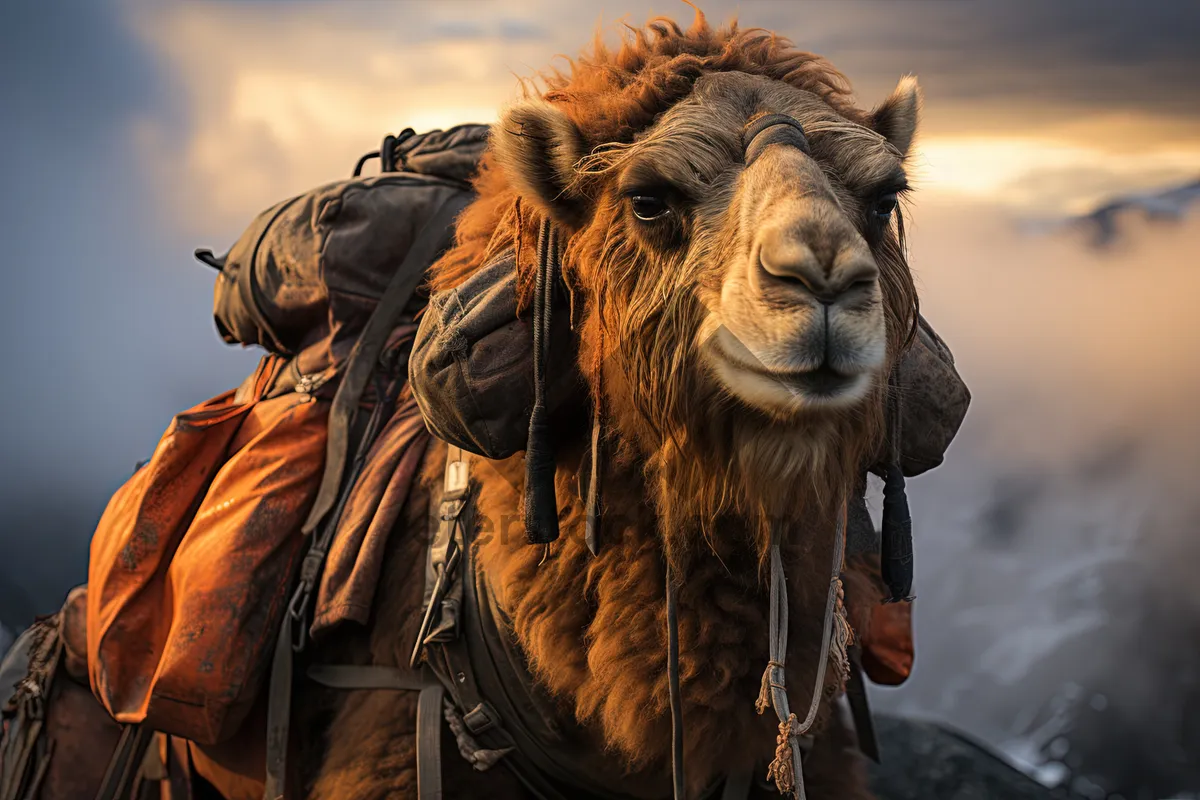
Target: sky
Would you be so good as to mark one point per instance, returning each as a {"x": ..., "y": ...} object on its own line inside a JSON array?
[{"x": 1055, "y": 541}]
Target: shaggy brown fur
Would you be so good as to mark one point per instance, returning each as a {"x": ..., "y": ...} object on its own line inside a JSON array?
[{"x": 690, "y": 475}]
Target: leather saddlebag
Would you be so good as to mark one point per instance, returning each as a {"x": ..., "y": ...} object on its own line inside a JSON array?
[{"x": 193, "y": 558}]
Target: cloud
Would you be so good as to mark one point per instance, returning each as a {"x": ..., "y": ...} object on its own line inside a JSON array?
[
  {"x": 286, "y": 98},
  {"x": 282, "y": 97},
  {"x": 1070, "y": 55},
  {"x": 1075, "y": 470},
  {"x": 1040, "y": 175}
]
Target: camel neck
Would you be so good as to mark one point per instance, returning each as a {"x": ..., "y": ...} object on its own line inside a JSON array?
[{"x": 592, "y": 628}]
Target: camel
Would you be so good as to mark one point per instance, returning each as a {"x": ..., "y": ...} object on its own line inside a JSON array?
[{"x": 736, "y": 314}]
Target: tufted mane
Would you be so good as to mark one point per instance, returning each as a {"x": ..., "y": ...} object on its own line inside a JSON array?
[{"x": 613, "y": 94}]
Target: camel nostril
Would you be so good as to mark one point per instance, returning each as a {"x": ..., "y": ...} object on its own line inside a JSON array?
[
  {"x": 825, "y": 290},
  {"x": 861, "y": 286},
  {"x": 826, "y": 274},
  {"x": 794, "y": 270},
  {"x": 800, "y": 281}
]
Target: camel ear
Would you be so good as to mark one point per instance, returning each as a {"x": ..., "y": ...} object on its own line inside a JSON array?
[
  {"x": 896, "y": 117},
  {"x": 538, "y": 146}
]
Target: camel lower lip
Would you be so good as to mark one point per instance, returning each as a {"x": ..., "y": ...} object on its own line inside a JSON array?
[{"x": 822, "y": 381}]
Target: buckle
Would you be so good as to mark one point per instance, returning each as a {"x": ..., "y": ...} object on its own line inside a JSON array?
[
  {"x": 481, "y": 718},
  {"x": 456, "y": 479},
  {"x": 449, "y": 510}
]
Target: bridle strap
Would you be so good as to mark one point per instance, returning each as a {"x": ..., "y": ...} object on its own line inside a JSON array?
[
  {"x": 773, "y": 129},
  {"x": 677, "y": 771}
]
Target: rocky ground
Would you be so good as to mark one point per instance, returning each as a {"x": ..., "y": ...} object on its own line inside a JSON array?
[{"x": 923, "y": 761}]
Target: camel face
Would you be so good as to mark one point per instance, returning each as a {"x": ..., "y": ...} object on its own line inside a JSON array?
[
  {"x": 795, "y": 320},
  {"x": 756, "y": 258}
]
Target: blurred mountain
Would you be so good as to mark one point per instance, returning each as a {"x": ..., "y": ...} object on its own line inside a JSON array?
[{"x": 1103, "y": 225}]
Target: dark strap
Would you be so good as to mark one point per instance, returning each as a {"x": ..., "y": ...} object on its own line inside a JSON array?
[
  {"x": 39, "y": 775},
  {"x": 429, "y": 711},
  {"x": 126, "y": 761},
  {"x": 367, "y": 676},
  {"x": 16, "y": 762},
  {"x": 773, "y": 129},
  {"x": 359, "y": 367},
  {"x": 293, "y": 631},
  {"x": 443, "y": 590},
  {"x": 483, "y": 676},
  {"x": 677, "y": 769},
  {"x": 860, "y": 707},
  {"x": 279, "y": 711},
  {"x": 737, "y": 786},
  {"x": 429, "y": 742},
  {"x": 365, "y": 354},
  {"x": 896, "y": 534},
  {"x": 896, "y": 539}
]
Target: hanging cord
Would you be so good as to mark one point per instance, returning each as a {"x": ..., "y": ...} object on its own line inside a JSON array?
[
  {"x": 541, "y": 506},
  {"x": 592, "y": 523},
  {"x": 787, "y": 768},
  {"x": 677, "y": 771},
  {"x": 592, "y": 519},
  {"x": 896, "y": 540}
]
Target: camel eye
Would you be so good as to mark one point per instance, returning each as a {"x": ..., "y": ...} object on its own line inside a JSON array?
[
  {"x": 885, "y": 205},
  {"x": 648, "y": 207}
]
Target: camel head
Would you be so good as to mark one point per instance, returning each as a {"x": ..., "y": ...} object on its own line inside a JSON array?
[{"x": 731, "y": 222}]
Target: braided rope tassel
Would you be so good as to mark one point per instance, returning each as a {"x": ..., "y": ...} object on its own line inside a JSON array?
[
  {"x": 843, "y": 637},
  {"x": 782, "y": 769}
]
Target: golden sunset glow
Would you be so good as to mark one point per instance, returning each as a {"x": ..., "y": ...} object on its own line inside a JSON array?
[{"x": 285, "y": 97}]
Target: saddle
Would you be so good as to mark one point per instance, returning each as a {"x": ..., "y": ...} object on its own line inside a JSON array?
[{"x": 471, "y": 676}]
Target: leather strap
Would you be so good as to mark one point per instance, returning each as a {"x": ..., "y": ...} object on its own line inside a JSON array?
[
  {"x": 279, "y": 711},
  {"x": 443, "y": 591},
  {"x": 356, "y": 676},
  {"x": 860, "y": 707},
  {"x": 293, "y": 631},
  {"x": 365, "y": 354},
  {"x": 335, "y": 482},
  {"x": 429, "y": 711},
  {"x": 478, "y": 670},
  {"x": 429, "y": 742},
  {"x": 126, "y": 762},
  {"x": 677, "y": 767},
  {"x": 737, "y": 786}
]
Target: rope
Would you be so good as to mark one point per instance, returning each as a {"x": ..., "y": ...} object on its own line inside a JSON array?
[{"x": 787, "y": 769}]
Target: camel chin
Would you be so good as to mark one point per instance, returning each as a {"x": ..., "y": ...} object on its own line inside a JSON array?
[{"x": 790, "y": 385}]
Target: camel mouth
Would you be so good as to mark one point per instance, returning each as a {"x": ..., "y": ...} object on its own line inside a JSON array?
[
  {"x": 821, "y": 382},
  {"x": 824, "y": 381},
  {"x": 785, "y": 390}
]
